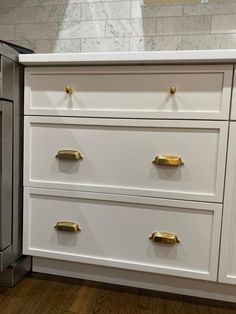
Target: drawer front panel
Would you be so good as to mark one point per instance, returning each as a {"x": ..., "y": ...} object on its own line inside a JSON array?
[
  {"x": 115, "y": 231},
  {"x": 118, "y": 155},
  {"x": 202, "y": 92}
]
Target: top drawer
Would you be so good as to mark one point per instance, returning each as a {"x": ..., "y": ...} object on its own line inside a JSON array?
[{"x": 170, "y": 92}]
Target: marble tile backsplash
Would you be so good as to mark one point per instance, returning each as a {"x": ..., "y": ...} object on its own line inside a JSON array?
[{"x": 111, "y": 25}]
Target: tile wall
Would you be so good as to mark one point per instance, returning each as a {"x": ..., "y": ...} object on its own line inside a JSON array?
[{"x": 124, "y": 25}]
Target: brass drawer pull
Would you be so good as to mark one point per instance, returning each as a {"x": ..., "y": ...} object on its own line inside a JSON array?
[
  {"x": 67, "y": 226},
  {"x": 165, "y": 160},
  {"x": 69, "y": 154},
  {"x": 68, "y": 89},
  {"x": 164, "y": 237},
  {"x": 173, "y": 89}
]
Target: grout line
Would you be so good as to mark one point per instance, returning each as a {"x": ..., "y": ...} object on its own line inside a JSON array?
[
  {"x": 210, "y": 28},
  {"x": 130, "y": 8},
  {"x": 105, "y": 28},
  {"x": 182, "y": 40},
  {"x": 156, "y": 23},
  {"x": 123, "y": 19}
]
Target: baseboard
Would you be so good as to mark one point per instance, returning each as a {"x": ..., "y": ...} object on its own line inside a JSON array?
[{"x": 164, "y": 283}]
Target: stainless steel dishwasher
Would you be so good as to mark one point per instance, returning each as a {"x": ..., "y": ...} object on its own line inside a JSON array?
[{"x": 13, "y": 265}]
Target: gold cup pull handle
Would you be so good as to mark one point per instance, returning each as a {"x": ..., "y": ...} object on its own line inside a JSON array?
[
  {"x": 173, "y": 89},
  {"x": 166, "y": 160},
  {"x": 164, "y": 237},
  {"x": 68, "y": 89},
  {"x": 69, "y": 154},
  {"x": 67, "y": 226}
]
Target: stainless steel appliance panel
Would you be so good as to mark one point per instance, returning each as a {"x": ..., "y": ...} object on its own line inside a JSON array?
[
  {"x": 6, "y": 78},
  {"x": 6, "y": 143}
]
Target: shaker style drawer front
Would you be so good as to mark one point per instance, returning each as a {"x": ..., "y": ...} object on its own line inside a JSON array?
[
  {"x": 170, "y": 92},
  {"x": 161, "y": 236},
  {"x": 227, "y": 269},
  {"x": 172, "y": 159},
  {"x": 233, "y": 109}
]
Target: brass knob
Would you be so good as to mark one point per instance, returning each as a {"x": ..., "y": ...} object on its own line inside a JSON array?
[
  {"x": 164, "y": 237},
  {"x": 173, "y": 89},
  {"x": 68, "y": 89}
]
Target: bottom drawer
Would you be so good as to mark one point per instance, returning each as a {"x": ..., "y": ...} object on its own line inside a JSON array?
[{"x": 115, "y": 231}]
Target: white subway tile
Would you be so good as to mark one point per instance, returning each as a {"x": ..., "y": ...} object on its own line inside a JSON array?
[
  {"x": 7, "y": 16},
  {"x": 58, "y": 46},
  {"x": 212, "y": 41},
  {"x": 138, "y": 10},
  {"x": 36, "y": 31},
  {"x": 106, "y": 10},
  {"x": 210, "y": 8},
  {"x": 155, "y": 43},
  {"x": 58, "y": 13},
  {"x": 8, "y": 3},
  {"x": 183, "y": 25},
  {"x": 7, "y": 32},
  {"x": 17, "y": 15},
  {"x": 104, "y": 44},
  {"x": 82, "y": 29},
  {"x": 223, "y": 24},
  {"x": 130, "y": 28},
  {"x": 24, "y": 15},
  {"x": 117, "y": 25}
]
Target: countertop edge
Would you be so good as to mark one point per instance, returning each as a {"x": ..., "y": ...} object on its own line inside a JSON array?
[{"x": 147, "y": 57}]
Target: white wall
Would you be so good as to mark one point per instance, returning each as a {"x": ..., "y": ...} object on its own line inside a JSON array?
[{"x": 107, "y": 25}]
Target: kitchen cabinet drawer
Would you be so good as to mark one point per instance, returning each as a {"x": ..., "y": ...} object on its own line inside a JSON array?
[
  {"x": 115, "y": 231},
  {"x": 202, "y": 92},
  {"x": 118, "y": 156}
]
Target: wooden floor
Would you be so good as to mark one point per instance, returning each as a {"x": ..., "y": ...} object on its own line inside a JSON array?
[{"x": 50, "y": 294}]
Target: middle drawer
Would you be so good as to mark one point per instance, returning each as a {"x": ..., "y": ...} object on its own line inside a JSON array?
[{"x": 118, "y": 156}]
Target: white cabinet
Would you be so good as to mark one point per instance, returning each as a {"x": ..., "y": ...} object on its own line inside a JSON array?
[
  {"x": 126, "y": 153},
  {"x": 227, "y": 267},
  {"x": 227, "y": 272}
]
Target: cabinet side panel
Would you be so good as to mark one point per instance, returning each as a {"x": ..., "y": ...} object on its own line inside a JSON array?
[{"x": 227, "y": 270}]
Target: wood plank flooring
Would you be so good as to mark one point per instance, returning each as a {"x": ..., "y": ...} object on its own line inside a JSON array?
[{"x": 39, "y": 293}]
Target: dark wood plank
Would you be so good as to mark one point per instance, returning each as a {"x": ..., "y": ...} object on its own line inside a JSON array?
[{"x": 39, "y": 293}]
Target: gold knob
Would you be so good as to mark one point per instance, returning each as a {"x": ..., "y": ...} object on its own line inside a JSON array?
[
  {"x": 173, "y": 89},
  {"x": 164, "y": 237},
  {"x": 164, "y": 160},
  {"x": 69, "y": 154},
  {"x": 67, "y": 226},
  {"x": 68, "y": 89}
]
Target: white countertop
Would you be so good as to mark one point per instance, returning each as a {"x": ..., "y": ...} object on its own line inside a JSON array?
[{"x": 157, "y": 57}]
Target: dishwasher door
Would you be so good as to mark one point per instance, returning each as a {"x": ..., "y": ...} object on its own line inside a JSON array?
[{"x": 6, "y": 151}]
